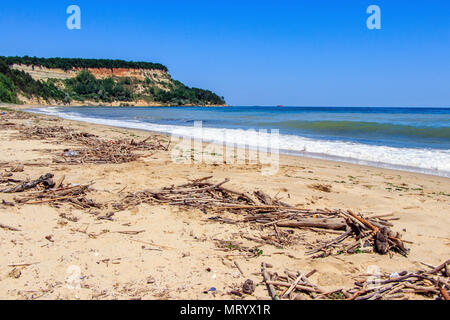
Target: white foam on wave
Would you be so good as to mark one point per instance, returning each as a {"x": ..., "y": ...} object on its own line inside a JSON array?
[{"x": 430, "y": 161}]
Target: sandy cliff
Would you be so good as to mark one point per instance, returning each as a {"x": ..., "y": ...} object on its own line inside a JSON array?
[{"x": 42, "y": 73}]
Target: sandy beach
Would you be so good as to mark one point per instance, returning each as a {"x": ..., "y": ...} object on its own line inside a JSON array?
[{"x": 174, "y": 252}]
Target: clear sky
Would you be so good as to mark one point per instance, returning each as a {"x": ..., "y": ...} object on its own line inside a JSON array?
[{"x": 305, "y": 53}]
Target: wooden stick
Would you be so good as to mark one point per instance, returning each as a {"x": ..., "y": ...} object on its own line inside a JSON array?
[
  {"x": 287, "y": 284},
  {"x": 374, "y": 216},
  {"x": 4, "y": 226},
  {"x": 193, "y": 189},
  {"x": 129, "y": 232},
  {"x": 266, "y": 277},
  {"x": 311, "y": 273},
  {"x": 292, "y": 287},
  {"x": 50, "y": 200},
  {"x": 22, "y": 264},
  {"x": 257, "y": 207},
  {"x": 60, "y": 181},
  {"x": 335, "y": 241},
  {"x": 440, "y": 267},
  {"x": 364, "y": 221},
  {"x": 334, "y": 224},
  {"x": 239, "y": 268}
]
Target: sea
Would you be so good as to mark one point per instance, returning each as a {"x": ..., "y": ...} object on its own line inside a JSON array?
[{"x": 411, "y": 139}]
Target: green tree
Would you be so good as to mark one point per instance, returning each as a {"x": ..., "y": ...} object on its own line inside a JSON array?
[{"x": 7, "y": 90}]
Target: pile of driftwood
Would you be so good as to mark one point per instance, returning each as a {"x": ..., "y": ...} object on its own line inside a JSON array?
[
  {"x": 20, "y": 115},
  {"x": 90, "y": 148},
  {"x": 369, "y": 234},
  {"x": 53, "y": 132},
  {"x": 14, "y": 115},
  {"x": 199, "y": 193},
  {"x": 111, "y": 151},
  {"x": 5, "y": 125},
  {"x": 433, "y": 283},
  {"x": 93, "y": 149},
  {"x": 356, "y": 233},
  {"x": 45, "y": 190},
  {"x": 100, "y": 153}
]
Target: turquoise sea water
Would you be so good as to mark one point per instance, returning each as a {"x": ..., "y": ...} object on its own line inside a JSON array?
[{"x": 415, "y": 139}]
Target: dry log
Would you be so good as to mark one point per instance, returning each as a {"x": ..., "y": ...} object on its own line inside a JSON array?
[{"x": 334, "y": 224}]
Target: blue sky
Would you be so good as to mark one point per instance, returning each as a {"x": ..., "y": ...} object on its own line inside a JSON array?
[{"x": 308, "y": 53}]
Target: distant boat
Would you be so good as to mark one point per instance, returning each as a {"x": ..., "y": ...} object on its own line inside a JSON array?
[{"x": 280, "y": 105}]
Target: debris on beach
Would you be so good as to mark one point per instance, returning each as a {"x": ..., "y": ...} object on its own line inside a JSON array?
[
  {"x": 321, "y": 187},
  {"x": 44, "y": 180},
  {"x": 90, "y": 148},
  {"x": 108, "y": 151},
  {"x": 433, "y": 283},
  {"x": 48, "y": 191},
  {"x": 75, "y": 195},
  {"x": 361, "y": 234},
  {"x": 54, "y": 132},
  {"x": 248, "y": 287},
  {"x": 7, "y": 177},
  {"x": 14, "y": 115},
  {"x": 93, "y": 149}
]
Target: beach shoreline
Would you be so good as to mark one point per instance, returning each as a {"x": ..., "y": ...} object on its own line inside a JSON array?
[
  {"x": 177, "y": 255},
  {"x": 384, "y": 163}
]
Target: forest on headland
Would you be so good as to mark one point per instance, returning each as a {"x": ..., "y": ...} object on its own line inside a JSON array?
[
  {"x": 84, "y": 87},
  {"x": 69, "y": 63}
]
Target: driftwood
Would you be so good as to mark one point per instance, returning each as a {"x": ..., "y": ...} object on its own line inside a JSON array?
[
  {"x": 272, "y": 214},
  {"x": 109, "y": 151},
  {"x": 440, "y": 267},
  {"x": 239, "y": 268},
  {"x": 383, "y": 286},
  {"x": 93, "y": 149},
  {"x": 268, "y": 283},
  {"x": 45, "y": 180},
  {"x": 49, "y": 192},
  {"x": 292, "y": 284},
  {"x": 76, "y": 196},
  {"x": 333, "y": 224},
  {"x": 6, "y": 227}
]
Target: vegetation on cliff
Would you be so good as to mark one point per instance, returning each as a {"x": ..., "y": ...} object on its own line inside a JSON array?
[
  {"x": 69, "y": 63},
  {"x": 13, "y": 82},
  {"x": 86, "y": 87}
]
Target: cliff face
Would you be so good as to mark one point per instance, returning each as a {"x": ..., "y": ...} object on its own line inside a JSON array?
[
  {"x": 73, "y": 81},
  {"x": 42, "y": 73}
]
